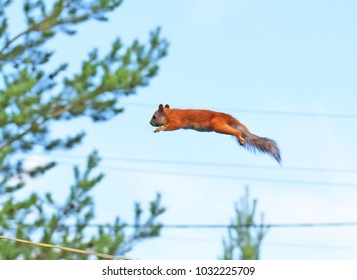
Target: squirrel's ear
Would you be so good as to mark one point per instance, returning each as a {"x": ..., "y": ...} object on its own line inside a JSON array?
[
  {"x": 167, "y": 106},
  {"x": 161, "y": 107}
]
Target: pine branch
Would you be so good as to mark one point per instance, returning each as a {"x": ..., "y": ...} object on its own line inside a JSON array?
[{"x": 34, "y": 27}]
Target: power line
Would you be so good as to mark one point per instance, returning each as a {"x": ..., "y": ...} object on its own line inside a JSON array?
[
  {"x": 281, "y": 225},
  {"x": 73, "y": 250},
  {"x": 227, "y": 177},
  {"x": 215, "y": 240},
  {"x": 262, "y": 112},
  {"x": 272, "y": 225},
  {"x": 329, "y": 247},
  {"x": 203, "y": 163},
  {"x": 107, "y": 256},
  {"x": 218, "y": 226}
]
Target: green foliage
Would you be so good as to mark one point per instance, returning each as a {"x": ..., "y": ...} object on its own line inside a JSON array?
[
  {"x": 244, "y": 236},
  {"x": 68, "y": 224},
  {"x": 33, "y": 98}
]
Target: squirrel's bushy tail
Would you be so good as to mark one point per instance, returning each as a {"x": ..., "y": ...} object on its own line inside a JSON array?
[{"x": 265, "y": 145}]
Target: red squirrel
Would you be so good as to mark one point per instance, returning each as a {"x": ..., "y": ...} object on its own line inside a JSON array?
[{"x": 167, "y": 119}]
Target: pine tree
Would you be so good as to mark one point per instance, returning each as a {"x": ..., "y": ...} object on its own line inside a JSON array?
[
  {"x": 32, "y": 98},
  {"x": 244, "y": 236}
]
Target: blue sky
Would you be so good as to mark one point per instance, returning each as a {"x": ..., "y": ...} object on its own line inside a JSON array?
[{"x": 244, "y": 58}]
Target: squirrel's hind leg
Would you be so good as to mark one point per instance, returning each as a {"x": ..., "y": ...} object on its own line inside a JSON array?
[{"x": 227, "y": 129}]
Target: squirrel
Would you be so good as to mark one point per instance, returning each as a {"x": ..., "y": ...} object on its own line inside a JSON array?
[{"x": 167, "y": 119}]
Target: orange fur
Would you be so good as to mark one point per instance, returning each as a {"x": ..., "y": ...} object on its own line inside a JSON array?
[{"x": 167, "y": 119}]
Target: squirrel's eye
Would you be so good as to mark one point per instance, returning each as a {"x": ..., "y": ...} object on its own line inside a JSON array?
[{"x": 154, "y": 117}]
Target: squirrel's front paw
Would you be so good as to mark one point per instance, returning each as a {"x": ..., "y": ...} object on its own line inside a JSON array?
[{"x": 157, "y": 130}]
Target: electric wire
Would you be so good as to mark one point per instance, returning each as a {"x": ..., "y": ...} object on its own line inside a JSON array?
[
  {"x": 73, "y": 250},
  {"x": 217, "y": 176},
  {"x": 225, "y": 177},
  {"x": 221, "y": 226},
  {"x": 202, "y": 163},
  {"x": 274, "y": 244},
  {"x": 262, "y": 112}
]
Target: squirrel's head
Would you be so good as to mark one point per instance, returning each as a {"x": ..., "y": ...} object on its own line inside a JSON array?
[{"x": 159, "y": 117}]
